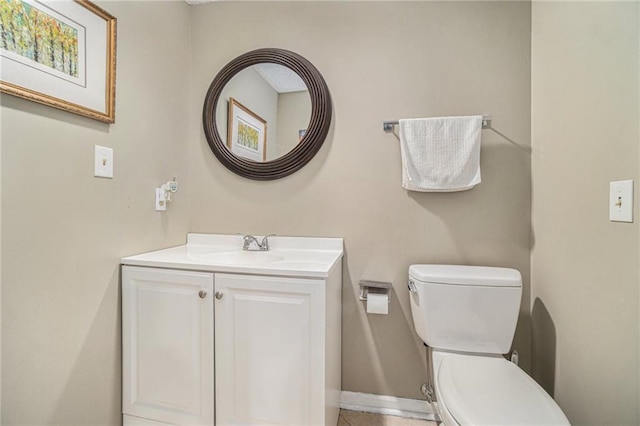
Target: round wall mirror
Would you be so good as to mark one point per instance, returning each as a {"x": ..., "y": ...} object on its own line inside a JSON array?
[{"x": 266, "y": 114}]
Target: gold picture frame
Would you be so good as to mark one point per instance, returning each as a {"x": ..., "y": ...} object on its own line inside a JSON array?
[
  {"x": 74, "y": 69},
  {"x": 246, "y": 132}
]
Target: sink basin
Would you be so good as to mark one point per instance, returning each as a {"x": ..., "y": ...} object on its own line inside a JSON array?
[
  {"x": 240, "y": 257},
  {"x": 288, "y": 256}
]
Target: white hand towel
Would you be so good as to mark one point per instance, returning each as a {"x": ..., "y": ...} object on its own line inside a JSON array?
[{"x": 440, "y": 154}]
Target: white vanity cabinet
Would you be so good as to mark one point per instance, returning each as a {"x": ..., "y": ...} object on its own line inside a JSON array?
[
  {"x": 272, "y": 331},
  {"x": 271, "y": 351},
  {"x": 167, "y": 346}
]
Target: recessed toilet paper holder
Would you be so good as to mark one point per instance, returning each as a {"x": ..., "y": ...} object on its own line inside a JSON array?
[{"x": 374, "y": 287}]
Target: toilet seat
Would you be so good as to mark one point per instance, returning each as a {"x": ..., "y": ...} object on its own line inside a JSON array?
[{"x": 480, "y": 390}]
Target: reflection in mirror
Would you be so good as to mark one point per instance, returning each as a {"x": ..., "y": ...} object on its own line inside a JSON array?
[
  {"x": 263, "y": 112},
  {"x": 317, "y": 125}
]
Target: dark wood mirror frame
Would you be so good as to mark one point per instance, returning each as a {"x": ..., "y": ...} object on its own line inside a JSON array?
[{"x": 316, "y": 131}]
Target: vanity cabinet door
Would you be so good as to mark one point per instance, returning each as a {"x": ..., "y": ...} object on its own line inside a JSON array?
[
  {"x": 269, "y": 337},
  {"x": 167, "y": 345}
]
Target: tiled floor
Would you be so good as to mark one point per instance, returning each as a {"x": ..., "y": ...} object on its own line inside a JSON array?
[{"x": 356, "y": 418}]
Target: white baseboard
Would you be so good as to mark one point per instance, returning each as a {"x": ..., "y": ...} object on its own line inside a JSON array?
[{"x": 389, "y": 405}]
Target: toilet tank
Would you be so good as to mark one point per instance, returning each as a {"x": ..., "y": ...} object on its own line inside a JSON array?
[{"x": 465, "y": 308}]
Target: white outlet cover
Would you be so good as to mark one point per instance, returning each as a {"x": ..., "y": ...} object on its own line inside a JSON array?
[
  {"x": 103, "y": 162},
  {"x": 161, "y": 200},
  {"x": 621, "y": 201}
]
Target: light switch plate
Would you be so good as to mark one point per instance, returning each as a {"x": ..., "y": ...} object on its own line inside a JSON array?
[
  {"x": 103, "y": 162},
  {"x": 621, "y": 201}
]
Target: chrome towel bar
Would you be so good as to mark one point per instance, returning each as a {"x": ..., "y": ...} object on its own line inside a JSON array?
[{"x": 388, "y": 126}]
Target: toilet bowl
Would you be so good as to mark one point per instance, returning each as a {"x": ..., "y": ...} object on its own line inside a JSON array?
[{"x": 467, "y": 316}]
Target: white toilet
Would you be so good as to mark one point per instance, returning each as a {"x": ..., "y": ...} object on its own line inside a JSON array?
[{"x": 467, "y": 315}]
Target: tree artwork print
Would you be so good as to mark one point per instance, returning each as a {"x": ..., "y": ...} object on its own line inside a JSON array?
[
  {"x": 248, "y": 136},
  {"x": 37, "y": 36}
]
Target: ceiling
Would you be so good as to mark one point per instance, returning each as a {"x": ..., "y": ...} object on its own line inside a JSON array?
[{"x": 281, "y": 78}]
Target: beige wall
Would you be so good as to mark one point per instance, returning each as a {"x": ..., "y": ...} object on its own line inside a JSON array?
[
  {"x": 294, "y": 113},
  {"x": 585, "y": 133},
  {"x": 381, "y": 61},
  {"x": 63, "y": 231}
]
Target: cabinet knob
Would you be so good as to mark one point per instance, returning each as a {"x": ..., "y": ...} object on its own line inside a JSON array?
[
  {"x": 202, "y": 294},
  {"x": 219, "y": 295}
]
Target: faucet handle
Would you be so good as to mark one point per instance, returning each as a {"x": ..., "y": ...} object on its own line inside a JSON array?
[
  {"x": 264, "y": 245},
  {"x": 247, "y": 239}
]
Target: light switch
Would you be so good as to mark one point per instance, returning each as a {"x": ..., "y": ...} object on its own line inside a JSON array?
[
  {"x": 621, "y": 201},
  {"x": 103, "y": 162}
]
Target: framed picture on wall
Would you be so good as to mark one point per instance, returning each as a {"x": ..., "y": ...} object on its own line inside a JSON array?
[
  {"x": 247, "y": 132},
  {"x": 61, "y": 54}
]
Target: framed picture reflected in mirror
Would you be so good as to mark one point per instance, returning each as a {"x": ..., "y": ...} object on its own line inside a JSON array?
[{"x": 247, "y": 132}]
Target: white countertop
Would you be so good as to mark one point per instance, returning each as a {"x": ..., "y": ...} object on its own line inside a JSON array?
[{"x": 287, "y": 256}]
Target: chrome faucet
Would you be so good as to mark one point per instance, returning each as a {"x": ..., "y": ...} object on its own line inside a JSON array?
[{"x": 251, "y": 243}]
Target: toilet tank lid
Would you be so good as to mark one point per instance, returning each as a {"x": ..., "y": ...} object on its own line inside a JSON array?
[{"x": 466, "y": 275}]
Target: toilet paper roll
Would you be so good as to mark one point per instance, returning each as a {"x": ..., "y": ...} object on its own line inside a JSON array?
[{"x": 377, "y": 303}]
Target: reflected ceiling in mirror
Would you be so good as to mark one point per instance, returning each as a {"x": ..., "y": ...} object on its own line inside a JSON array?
[{"x": 263, "y": 112}]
